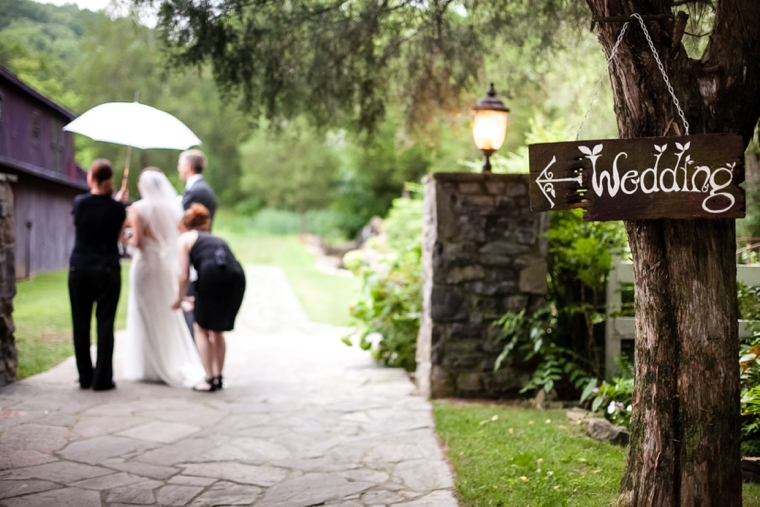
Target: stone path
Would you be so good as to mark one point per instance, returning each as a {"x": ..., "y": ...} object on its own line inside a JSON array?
[{"x": 305, "y": 421}]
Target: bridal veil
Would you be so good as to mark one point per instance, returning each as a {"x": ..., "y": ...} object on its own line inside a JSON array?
[{"x": 159, "y": 346}]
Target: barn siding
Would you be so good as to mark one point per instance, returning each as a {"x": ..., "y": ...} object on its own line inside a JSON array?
[
  {"x": 50, "y": 148},
  {"x": 48, "y": 244},
  {"x": 34, "y": 148}
]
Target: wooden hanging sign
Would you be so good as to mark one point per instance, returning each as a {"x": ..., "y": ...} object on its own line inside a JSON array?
[{"x": 641, "y": 178}]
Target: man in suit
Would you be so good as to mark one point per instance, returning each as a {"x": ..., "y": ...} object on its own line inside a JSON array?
[{"x": 190, "y": 166}]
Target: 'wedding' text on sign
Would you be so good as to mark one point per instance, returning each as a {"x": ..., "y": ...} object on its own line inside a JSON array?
[{"x": 641, "y": 178}]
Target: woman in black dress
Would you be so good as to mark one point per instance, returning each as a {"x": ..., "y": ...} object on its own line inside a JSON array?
[
  {"x": 95, "y": 274},
  {"x": 218, "y": 290}
]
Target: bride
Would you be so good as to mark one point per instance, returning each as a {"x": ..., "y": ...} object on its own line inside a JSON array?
[{"x": 159, "y": 344}]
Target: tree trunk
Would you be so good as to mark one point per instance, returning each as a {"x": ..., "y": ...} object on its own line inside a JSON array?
[{"x": 685, "y": 427}]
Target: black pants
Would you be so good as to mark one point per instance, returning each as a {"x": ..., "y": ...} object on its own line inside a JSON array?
[{"x": 100, "y": 286}]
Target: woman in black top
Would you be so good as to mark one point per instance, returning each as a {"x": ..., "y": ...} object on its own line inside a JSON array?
[
  {"x": 95, "y": 274},
  {"x": 218, "y": 290}
]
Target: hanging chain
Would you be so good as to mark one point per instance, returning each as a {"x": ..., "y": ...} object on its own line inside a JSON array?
[
  {"x": 662, "y": 71},
  {"x": 599, "y": 83},
  {"x": 659, "y": 65}
]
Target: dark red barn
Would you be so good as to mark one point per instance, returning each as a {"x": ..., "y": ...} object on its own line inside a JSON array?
[{"x": 35, "y": 149}]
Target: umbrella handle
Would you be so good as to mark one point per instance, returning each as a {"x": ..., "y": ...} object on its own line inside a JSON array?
[
  {"x": 125, "y": 178},
  {"x": 123, "y": 193}
]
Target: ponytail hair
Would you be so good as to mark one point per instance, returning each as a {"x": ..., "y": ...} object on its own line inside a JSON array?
[{"x": 102, "y": 173}]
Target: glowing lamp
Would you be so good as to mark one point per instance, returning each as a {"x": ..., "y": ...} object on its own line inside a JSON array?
[{"x": 489, "y": 126}]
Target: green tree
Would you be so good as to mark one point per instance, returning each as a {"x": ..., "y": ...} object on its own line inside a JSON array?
[
  {"x": 396, "y": 69},
  {"x": 345, "y": 63},
  {"x": 40, "y": 44},
  {"x": 290, "y": 168},
  {"x": 65, "y": 17},
  {"x": 372, "y": 174},
  {"x": 121, "y": 57}
]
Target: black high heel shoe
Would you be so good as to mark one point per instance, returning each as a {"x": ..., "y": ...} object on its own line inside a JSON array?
[
  {"x": 218, "y": 382},
  {"x": 207, "y": 386}
]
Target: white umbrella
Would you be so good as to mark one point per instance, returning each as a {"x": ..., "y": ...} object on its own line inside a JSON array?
[{"x": 133, "y": 125}]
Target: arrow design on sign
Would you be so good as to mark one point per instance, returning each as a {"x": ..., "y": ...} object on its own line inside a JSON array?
[{"x": 546, "y": 182}]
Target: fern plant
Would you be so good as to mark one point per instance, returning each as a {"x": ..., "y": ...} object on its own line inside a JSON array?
[
  {"x": 749, "y": 375},
  {"x": 530, "y": 335}
]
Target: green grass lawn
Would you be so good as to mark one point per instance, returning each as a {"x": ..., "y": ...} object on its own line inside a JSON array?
[
  {"x": 42, "y": 315},
  {"x": 515, "y": 457}
]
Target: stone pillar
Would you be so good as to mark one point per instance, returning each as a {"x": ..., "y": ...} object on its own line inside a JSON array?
[
  {"x": 8, "y": 353},
  {"x": 484, "y": 253}
]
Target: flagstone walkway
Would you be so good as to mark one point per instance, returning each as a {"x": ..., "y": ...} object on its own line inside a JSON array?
[{"x": 304, "y": 421}]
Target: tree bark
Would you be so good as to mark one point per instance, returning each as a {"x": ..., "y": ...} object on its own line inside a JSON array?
[{"x": 685, "y": 427}]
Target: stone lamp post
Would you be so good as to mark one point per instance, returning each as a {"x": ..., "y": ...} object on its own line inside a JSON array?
[
  {"x": 489, "y": 126},
  {"x": 483, "y": 254}
]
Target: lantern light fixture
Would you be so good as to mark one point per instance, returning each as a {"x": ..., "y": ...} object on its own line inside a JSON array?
[{"x": 489, "y": 127}]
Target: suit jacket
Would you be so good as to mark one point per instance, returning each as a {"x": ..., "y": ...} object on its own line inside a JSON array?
[{"x": 201, "y": 193}]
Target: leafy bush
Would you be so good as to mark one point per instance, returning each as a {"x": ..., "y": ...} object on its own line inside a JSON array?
[
  {"x": 562, "y": 337},
  {"x": 373, "y": 172},
  {"x": 328, "y": 224},
  {"x": 746, "y": 251},
  {"x": 390, "y": 310},
  {"x": 324, "y": 223},
  {"x": 249, "y": 207},
  {"x": 580, "y": 260},
  {"x": 749, "y": 368},
  {"x": 292, "y": 167},
  {"x": 277, "y": 222},
  {"x": 613, "y": 401},
  {"x": 531, "y": 335},
  {"x": 403, "y": 226},
  {"x": 750, "y": 226},
  {"x": 749, "y": 302},
  {"x": 388, "y": 315}
]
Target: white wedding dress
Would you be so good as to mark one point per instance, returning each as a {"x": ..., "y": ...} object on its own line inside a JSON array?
[{"x": 159, "y": 345}]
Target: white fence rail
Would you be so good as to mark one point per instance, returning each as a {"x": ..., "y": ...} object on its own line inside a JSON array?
[{"x": 624, "y": 328}]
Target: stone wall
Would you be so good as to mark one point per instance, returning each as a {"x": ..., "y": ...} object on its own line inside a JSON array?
[
  {"x": 484, "y": 253},
  {"x": 8, "y": 353}
]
